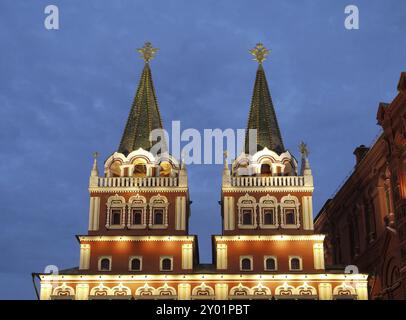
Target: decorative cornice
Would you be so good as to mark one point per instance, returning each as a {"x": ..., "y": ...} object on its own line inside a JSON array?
[
  {"x": 268, "y": 190},
  {"x": 359, "y": 277},
  {"x": 135, "y": 238},
  {"x": 130, "y": 189},
  {"x": 313, "y": 237}
]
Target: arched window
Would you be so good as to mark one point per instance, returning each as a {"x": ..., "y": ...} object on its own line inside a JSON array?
[
  {"x": 135, "y": 264},
  {"x": 104, "y": 264},
  {"x": 158, "y": 216},
  {"x": 166, "y": 264},
  {"x": 137, "y": 216},
  {"x": 140, "y": 170},
  {"x": 270, "y": 264},
  {"x": 295, "y": 264},
  {"x": 116, "y": 206},
  {"x": 116, "y": 216},
  {"x": 137, "y": 207},
  {"x": 158, "y": 207},
  {"x": 246, "y": 264},
  {"x": 247, "y": 217},
  {"x": 266, "y": 169}
]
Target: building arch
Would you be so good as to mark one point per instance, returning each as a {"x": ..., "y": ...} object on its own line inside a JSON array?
[
  {"x": 240, "y": 290},
  {"x": 145, "y": 290},
  {"x": 100, "y": 290},
  {"x": 64, "y": 291}
]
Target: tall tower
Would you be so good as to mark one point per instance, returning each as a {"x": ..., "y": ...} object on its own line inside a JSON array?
[
  {"x": 138, "y": 214},
  {"x": 266, "y": 210}
]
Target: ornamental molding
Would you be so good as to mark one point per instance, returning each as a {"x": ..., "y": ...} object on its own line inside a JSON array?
[
  {"x": 135, "y": 238},
  {"x": 269, "y": 190},
  {"x": 141, "y": 190},
  {"x": 339, "y": 280},
  {"x": 318, "y": 237}
]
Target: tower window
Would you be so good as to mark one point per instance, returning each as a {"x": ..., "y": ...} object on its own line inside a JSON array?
[
  {"x": 105, "y": 264},
  {"x": 137, "y": 216},
  {"x": 295, "y": 263},
  {"x": 290, "y": 216},
  {"x": 246, "y": 264},
  {"x": 270, "y": 264},
  {"x": 247, "y": 217},
  {"x": 266, "y": 169},
  {"x": 135, "y": 264},
  {"x": 158, "y": 216},
  {"x": 116, "y": 217},
  {"x": 269, "y": 216},
  {"x": 166, "y": 264}
]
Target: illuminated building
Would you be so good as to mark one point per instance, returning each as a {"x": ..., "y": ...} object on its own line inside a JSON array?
[
  {"x": 365, "y": 221},
  {"x": 138, "y": 245}
]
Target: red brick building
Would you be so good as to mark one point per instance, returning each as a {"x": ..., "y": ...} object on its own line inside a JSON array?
[
  {"x": 365, "y": 222},
  {"x": 138, "y": 245}
]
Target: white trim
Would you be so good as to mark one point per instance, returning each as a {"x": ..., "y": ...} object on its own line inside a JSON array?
[
  {"x": 286, "y": 203},
  {"x": 251, "y": 263},
  {"x": 137, "y": 202},
  {"x": 276, "y": 263},
  {"x": 247, "y": 202},
  {"x": 161, "y": 258},
  {"x": 300, "y": 263},
  {"x": 130, "y": 260},
  {"x": 104, "y": 257}
]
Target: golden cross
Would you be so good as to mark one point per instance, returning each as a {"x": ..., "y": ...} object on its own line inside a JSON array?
[
  {"x": 259, "y": 52},
  {"x": 303, "y": 149},
  {"x": 147, "y": 52}
]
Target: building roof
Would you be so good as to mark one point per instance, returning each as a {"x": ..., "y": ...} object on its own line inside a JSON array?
[
  {"x": 262, "y": 117},
  {"x": 144, "y": 116}
]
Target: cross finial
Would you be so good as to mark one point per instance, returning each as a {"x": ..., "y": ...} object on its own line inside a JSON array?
[
  {"x": 147, "y": 52},
  {"x": 303, "y": 149},
  {"x": 259, "y": 52},
  {"x": 95, "y": 155}
]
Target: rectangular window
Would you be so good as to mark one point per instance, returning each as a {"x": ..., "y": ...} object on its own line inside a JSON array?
[
  {"x": 158, "y": 216},
  {"x": 137, "y": 216},
  {"x": 247, "y": 217},
  {"x": 116, "y": 216},
  {"x": 290, "y": 216},
  {"x": 268, "y": 216}
]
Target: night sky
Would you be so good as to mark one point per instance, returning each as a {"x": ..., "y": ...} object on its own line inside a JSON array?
[{"x": 67, "y": 93}]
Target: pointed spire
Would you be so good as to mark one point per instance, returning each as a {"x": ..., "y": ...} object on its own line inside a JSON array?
[
  {"x": 94, "y": 174},
  {"x": 305, "y": 170},
  {"x": 144, "y": 114},
  {"x": 262, "y": 116},
  {"x": 226, "y": 171},
  {"x": 95, "y": 171}
]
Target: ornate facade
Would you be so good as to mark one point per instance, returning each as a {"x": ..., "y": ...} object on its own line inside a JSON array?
[
  {"x": 365, "y": 222},
  {"x": 138, "y": 245}
]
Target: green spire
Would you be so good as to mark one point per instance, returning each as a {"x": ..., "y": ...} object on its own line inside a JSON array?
[
  {"x": 144, "y": 114},
  {"x": 262, "y": 116}
]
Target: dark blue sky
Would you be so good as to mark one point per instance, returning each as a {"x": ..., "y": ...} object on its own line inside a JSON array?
[{"x": 67, "y": 93}]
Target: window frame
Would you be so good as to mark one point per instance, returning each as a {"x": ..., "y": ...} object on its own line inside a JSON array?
[
  {"x": 161, "y": 203},
  {"x": 100, "y": 261},
  {"x": 247, "y": 202},
  {"x": 300, "y": 263},
  {"x": 290, "y": 202},
  {"x": 130, "y": 260},
  {"x": 161, "y": 259},
  {"x": 268, "y": 203},
  {"x": 116, "y": 202},
  {"x": 137, "y": 202},
  {"x": 275, "y": 260},
  {"x": 250, "y": 258}
]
